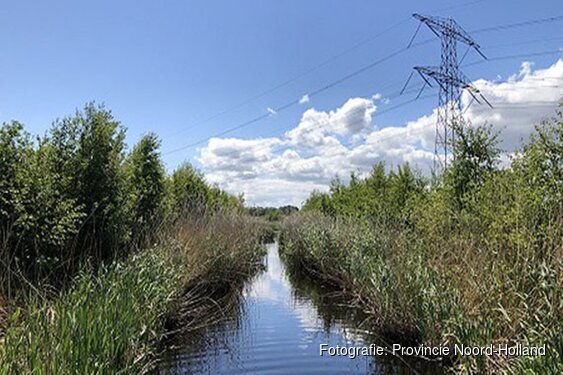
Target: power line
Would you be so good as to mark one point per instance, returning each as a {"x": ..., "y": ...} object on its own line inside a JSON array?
[
  {"x": 324, "y": 88},
  {"x": 355, "y": 111},
  {"x": 534, "y": 41},
  {"x": 499, "y": 58},
  {"x": 361, "y": 70},
  {"x": 294, "y": 102},
  {"x": 518, "y": 24},
  {"x": 337, "y": 56},
  {"x": 523, "y": 105},
  {"x": 413, "y": 132},
  {"x": 386, "y": 110},
  {"x": 327, "y": 87}
]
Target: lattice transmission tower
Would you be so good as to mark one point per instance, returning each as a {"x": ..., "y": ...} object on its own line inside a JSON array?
[{"x": 451, "y": 83}]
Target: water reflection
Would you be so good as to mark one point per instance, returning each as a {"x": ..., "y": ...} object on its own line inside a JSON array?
[{"x": 277, "y": 329}]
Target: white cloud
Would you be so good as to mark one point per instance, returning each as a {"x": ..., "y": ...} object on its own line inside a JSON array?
[
  {"x": 353, "y": 117},
  {"x": 304, "y": 99},
  {"x": 311, "y": 131},
  {"x": 319, "y": 129},
  {"x": 237, "y": 157},
  {"x": 519, "y": 103},
  {"x": 379, "y": 97},
  {"x": 271, "y": 111},
  {"x": 277, "y": 171},
  {"x": 526, "y": 69}
]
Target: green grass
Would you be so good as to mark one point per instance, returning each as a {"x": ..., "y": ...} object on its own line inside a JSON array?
[
  {"x": 455, "y": 293},
  {"x": 111, "y": 322},
  {"x": 105, "y": 324}
]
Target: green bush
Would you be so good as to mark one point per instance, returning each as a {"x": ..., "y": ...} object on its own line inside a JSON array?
[
  {"x": 190, "y": 193},
  {"x": 146, "y": 180},
  {"x": 75, "y": 196},
  {"x": 92, "y": 144},
  {"x": 37, "y": 218},
  {"x": 382, "y": 197},
  {"x": 473, "y": 259}
]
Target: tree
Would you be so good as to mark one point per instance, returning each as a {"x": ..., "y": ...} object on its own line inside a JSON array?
[
  {"x": 90, "y": 147},
  {"x": 188, "y": 189},
  {"x": 146, "y": 182},
  {"x": 539, "y": 170},
  {"x": 404, "y": 186},
  {"x": 476, "y": 155},
  {"x": 15, "y": 153},
  {"x": 37, "y": 217}
]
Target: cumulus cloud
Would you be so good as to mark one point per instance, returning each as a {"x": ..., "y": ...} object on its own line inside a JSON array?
[
  {"x": 312, "y": 131},
  {"x": 353, "y": 117},
  {"x": 237, "y": 158},
  {"x": 319, "y": 129},
  {"x": 304, "y": 99},
  {"x": 518, "y": 103},
  {"x": 284, "y": 170}
]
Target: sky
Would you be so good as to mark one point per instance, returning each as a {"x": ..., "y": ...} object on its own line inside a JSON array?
[{"x": 274, "y": 98}]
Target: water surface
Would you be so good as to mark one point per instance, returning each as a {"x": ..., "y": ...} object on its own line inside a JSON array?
[{"x": 278, "y": 328}]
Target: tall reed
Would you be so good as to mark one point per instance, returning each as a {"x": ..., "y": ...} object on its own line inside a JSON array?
[
  {"x": 104, "y": 324},
  {"x": 421, "y": 294},
  {"x": 112, "y": 321}
]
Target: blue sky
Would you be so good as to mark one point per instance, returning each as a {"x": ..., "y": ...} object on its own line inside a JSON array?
[{"x": 166, "y": 66}]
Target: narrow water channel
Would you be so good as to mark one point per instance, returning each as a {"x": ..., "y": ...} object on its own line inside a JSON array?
[{"x": 278, "y": 330}]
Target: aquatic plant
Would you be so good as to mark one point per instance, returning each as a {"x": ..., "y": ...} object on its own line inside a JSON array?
[{"x": 113, "y": 320}]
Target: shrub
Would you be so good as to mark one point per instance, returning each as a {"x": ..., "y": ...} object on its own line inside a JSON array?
[
  {"x": 190, "y": 193},
  {"x": 73, "y": 197},
  {"x": 37, "y": 218},
  {"x": 478, "y": 261},
  {"x": 146, "y": 186}
]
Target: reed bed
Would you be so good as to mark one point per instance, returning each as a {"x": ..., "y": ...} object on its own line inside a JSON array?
[
  {"x": 105, "y": 324},
  {"x": 454, "y": 293},
  {"x": 473, "y": 258},
  {"x": 113, "y": 321},
  {"x": 221, "y": 251}
]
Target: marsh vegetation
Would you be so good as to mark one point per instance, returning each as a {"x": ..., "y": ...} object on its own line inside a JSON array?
[
  {"x": 101, "y": 251},
  {"x": 105, "y": 257},
  {"x": 473, "y": 258}
]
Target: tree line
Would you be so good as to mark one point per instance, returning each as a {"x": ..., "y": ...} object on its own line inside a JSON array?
[
  {"x": 471, "y": 257},
  {"x": 78, "y": 195}
]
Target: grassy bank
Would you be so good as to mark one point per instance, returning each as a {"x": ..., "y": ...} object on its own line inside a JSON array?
[
  {"x": 83, "y": 287},
  {"x": 474, "y": 259},
  {"x": 106, "y": 323},
  {"x": 111, "y": 322},
  {"x": 416, "y": 295}
]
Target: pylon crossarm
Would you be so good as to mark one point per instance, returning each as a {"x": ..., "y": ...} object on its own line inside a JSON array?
[
  {"x": 439, "y": 77},
  {"x": 449, "y": 119},
  {"x": 447, "y": 26},
  {"x": 441, "y": 26},
  {"x": 473, "y": 95},
  {"x": 423, "y": 72}
]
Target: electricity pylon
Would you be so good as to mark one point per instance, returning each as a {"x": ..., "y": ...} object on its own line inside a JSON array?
[{"x": 451, "y": 83}]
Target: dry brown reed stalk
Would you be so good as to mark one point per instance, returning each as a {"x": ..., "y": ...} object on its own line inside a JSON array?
[
  {"x": 3, "y": 316},
  {"x": 219, "y": 251}
]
